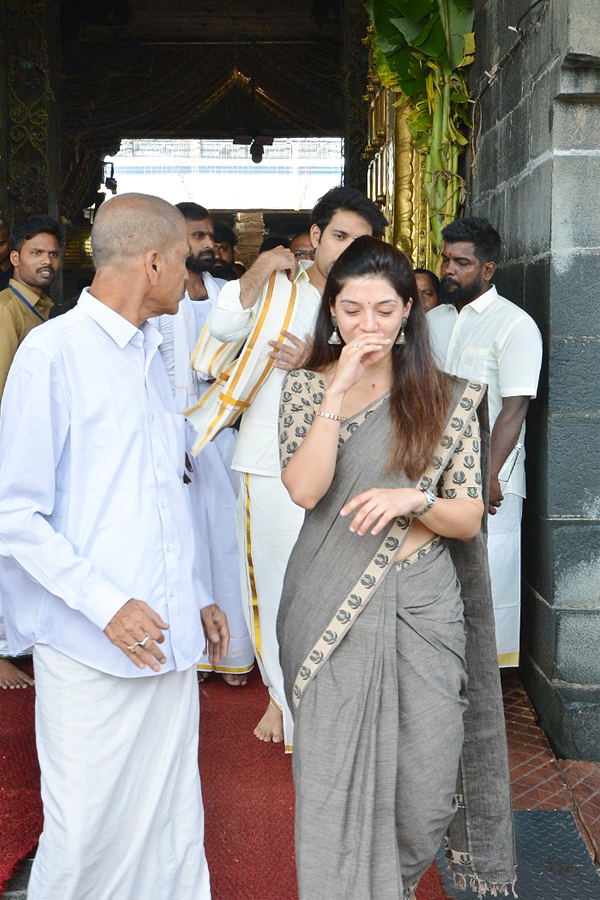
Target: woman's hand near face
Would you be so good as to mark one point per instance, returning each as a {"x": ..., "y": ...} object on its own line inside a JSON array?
[{"x": 356, "y": 358}]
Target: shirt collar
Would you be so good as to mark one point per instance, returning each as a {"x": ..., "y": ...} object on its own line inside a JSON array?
[
  {"x": 481, "y": 303},
  {"x": 42, "y": 301},
  {"x": 118, "y": 328},
  {"x": 303, "y": 265}
]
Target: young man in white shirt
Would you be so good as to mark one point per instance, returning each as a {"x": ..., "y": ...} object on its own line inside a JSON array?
[
  {"x": 478, "y": 334},
  {"x": 267, "y": 520},
  {"x": 98, "y": 565}
]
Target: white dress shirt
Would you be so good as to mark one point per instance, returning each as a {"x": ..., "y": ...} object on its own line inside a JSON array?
[
  {"x": 257, "y": 450},
  {"x": 495, "y": 341},
  {"x": 92, "y": 504}
]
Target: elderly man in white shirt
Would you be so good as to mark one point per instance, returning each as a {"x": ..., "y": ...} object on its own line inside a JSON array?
[
  {"x": 268, "y": 522},
  {"x": 478, "y": 334},
  {"x": 96, "y": 561}
]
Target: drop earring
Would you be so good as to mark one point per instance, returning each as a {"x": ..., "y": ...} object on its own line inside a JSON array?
[
  {"x": 401, "y": 339},
  {"x": 335, "y": 338}
]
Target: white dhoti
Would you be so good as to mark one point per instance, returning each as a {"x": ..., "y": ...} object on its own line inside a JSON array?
[
  {"x": 504, "y": 550},
  {"x": 268, "y": 524},
  {"x": 213, "y": 495},
  {"x": 123, "y": 814}
]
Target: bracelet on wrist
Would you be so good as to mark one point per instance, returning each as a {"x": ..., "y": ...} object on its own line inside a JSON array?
[
  {"x": 430, "y": 498},
  {"x": 326, "y": 415}
]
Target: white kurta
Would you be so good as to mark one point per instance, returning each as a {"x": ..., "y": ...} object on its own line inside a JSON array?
[
  {"x": 213, "y": 489},
  {"x": 268, "y": 522},
  {"x": 494, "y": 341},
  {"x": 92, "y": 513}
]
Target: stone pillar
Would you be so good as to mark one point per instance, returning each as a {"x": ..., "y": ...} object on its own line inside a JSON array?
[
  {"x": 29, "y": 108},
  {"x": 537, "y": 177},
  {"x": 355, "y": 58}
]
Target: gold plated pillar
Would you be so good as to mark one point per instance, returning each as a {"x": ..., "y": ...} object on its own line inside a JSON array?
[{"x": 395, "y": 173}]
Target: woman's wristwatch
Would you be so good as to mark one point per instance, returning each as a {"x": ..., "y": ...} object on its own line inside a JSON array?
[{"x": 430, "y": 498}]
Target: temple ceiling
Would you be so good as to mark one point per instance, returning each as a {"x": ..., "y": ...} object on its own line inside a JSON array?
[{"x": 191, "y": 68}]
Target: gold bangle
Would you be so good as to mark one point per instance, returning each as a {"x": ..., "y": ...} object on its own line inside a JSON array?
[{"x": 326, "y": 415}]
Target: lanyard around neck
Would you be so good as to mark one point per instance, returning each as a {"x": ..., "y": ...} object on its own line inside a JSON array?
[{"x": 26, "y": 302}]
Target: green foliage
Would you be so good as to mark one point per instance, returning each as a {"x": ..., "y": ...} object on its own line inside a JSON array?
[{"x": 420, "y": 48}]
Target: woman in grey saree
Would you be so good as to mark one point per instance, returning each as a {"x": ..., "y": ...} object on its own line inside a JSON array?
[{"x": 386, "y": 625}]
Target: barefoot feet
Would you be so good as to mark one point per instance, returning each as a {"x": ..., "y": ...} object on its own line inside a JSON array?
[
  {"x": 235, "y": 680},
  {"x": 270, "y": 727},
  {"x": 13, "y": 677}
]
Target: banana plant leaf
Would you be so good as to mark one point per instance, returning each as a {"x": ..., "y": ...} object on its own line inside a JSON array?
[{"x": 420, "y": 47}]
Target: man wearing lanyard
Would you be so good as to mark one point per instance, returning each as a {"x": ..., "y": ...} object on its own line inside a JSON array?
[{"x": 36, "y": 259}]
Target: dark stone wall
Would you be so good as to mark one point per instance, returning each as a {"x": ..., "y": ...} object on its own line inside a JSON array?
[{"x": 536, "y": 175}]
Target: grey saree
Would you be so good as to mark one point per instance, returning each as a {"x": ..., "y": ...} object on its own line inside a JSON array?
[{"x": 399, "y": 730}]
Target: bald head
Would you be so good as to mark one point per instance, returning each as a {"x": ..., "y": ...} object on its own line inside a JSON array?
[{"x": 130, "y": 225}]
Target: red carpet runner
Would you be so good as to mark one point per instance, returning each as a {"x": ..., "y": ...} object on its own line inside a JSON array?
[
  {"x": 247, "y": 787},
  {"x": 20, "y": 805}
]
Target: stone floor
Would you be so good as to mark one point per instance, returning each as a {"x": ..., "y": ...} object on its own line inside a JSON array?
[{"x": 539, "y": 780}]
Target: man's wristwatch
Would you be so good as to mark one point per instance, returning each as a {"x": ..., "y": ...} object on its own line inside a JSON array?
[{"x": 430, "y": 498}]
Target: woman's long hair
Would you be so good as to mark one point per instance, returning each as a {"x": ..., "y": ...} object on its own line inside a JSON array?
[{"x": 420, "y": 393}]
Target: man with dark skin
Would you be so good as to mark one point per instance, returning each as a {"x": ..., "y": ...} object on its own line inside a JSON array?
[
  {"x": 33, "y": 263},
  {"x": 36, "y": 259},
  {"x": 428, "y": 285},
  {"x": 478, "y": 334},
  {"x": 301, "y": 246},
  {"x": 202, "y": 250},
  {"x": 224, "y": 252}
]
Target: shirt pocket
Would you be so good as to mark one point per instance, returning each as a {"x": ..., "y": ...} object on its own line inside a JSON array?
[{"x": 477, "y": 363}]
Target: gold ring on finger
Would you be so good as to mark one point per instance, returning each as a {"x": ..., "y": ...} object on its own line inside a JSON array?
[{"x": 133, "y": 646}]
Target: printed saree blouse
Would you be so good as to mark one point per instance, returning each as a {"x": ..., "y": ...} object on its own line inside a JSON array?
[{"x": 302, "y": 395}]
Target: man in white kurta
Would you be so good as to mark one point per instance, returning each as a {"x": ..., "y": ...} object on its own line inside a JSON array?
[
  {"x": 480, "y": 335},
  {"x": 212, "y": 490},
  {"x": 268, "y": 521},
  {"x": 97, "y": 562}
]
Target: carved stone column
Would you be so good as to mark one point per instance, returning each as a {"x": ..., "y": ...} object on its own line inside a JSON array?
[{"x": 30, "y": 140}]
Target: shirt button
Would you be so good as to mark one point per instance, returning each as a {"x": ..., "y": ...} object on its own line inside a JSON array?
[
  {"x": 152, "y": 417},
  {"x": 159, "y": 463},
  {"x": 169, "y": 548},
  {"x": 163, "y": 504},
  {"x": 171, "y": 593}
]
